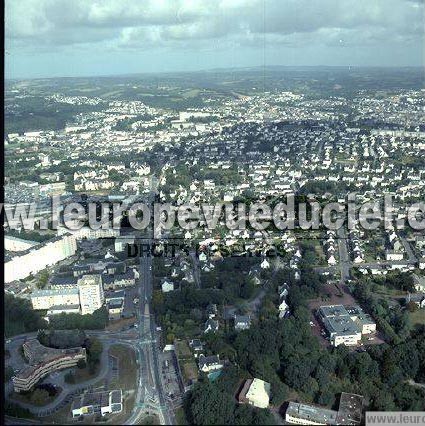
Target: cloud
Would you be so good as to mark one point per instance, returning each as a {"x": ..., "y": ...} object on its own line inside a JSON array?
[{"x": 132, "y": 24}]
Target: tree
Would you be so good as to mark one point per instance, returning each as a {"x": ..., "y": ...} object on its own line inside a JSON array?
[
  {"x": 94, "y": 352},
  {"x": 81, "y": 364},
  {"x": 69, "y": 378},
  {"x": 326, "y": 398},
  {"x": 39, "y": 396},
  {"x": 19, "y": 316},
  {"x": 8, "y": 373},
  {"x": 210, "y": 406}
]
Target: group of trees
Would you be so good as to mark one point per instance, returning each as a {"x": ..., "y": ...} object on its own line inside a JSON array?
[
  {"x": 98, "y": 320},
  {"x": 231, "y": 276},
  {"x": 392, "y": 320},
  {"x": 215, "y": 403},
  {"x": 399, "y": 281},
  {"x": 62, "y": 339},
  {"x": 15, "y": 410},
  {"x": 19, "y": 317},
  {"x": 286, "y": 354}
]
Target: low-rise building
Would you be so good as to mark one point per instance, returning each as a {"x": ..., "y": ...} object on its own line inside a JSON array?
[
  {"x": 43, "y": 361},
  {"x": 345, "y": 325},
  {"x": 63, "y": 309},
  {"x": 115, "y": 308},
  {"x": 242, "y": 322},
  {"x": 102, "y": 403},
  {"x": 255, "y": 392},
  {"x": 46, "y": 299},
  {"x": 209, "y": 363},
  {"x": 349, "y": 412}
]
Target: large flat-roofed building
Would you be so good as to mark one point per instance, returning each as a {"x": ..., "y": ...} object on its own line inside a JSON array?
[
  {"x": 36, "y": 258},
  {"x": 363, "y": 320},
  {"x": 18, "y": 244},
  {"x": 255, "y": 392},
  {"x": 42, "y": 361},
  {"x": 302, "y": 414},
  {"x": 97, "y": 403},
  {"x": 349, "y": 412},
  {"x": 91, "y": 293},
  {"x": 350, "y": 409},
  {"x": 46, "y": 299},
  {"x": 345, "y": 324}
]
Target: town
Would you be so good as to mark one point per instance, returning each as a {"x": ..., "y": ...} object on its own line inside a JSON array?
[{"x": 271, "y": 326}]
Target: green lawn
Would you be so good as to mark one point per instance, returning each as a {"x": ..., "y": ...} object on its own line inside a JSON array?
[{"x": 418, "y": 317}]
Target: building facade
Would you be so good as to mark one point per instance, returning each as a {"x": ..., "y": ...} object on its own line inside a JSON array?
[
  {"x": 91, "y": 293},
  {"x": 43, "y": 361}
]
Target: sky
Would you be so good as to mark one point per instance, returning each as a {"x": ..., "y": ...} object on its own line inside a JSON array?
[{"x": 58, "y": 38}]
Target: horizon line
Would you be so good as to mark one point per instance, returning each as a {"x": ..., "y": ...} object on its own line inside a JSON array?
[{"x": 219, "y": 69}]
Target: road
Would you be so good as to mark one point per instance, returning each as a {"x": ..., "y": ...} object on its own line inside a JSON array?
[
  {"x": 73, "y": 389},
  {"x": 150, "y": 393},
  {"x": 196, "y": 268},
  {"x": 409, "y": 251},
  {"x": 344, "y": 257}
]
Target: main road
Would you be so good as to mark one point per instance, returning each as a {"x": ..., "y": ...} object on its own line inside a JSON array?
[{"x": 150, "y": 394}]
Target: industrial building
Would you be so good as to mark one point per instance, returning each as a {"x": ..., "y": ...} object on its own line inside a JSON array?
[
  {"x": 345, "y": 324},
  {"x": 349, "y": 412}
]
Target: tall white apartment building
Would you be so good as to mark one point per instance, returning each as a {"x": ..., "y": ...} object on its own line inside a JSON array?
[
  {"x": 91, "y": 293},
  {"x": 37, "y": 258}
]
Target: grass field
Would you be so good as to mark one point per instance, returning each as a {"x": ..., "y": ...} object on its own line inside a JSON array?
[
  {"x": 127, "y": 366},
  {"x": 62, "y": 416},
  {"x": 418, "y": 317}
]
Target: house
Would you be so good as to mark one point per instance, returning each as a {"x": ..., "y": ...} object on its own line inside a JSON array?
[
  {"x": 255, "y": 392},
  {"x": 265, "y": 264},
  {"x": 115, "y": 308},
  {"x": 349, "y": 412},
  {"x": 211, "y": 325},
  {"x": 283, "y": 309},
  {"x": 419, "y": 283},
  {"x": 242, "y": 322},
  {"x": 209, "y": 363},
  {"x": 394, "y": 255},
  {"x": 283, "y": 291},
  {"x": 212, "y": 310},
  {"x": 197, "y": 346},
  {"x": 418, "y": 299},
  {"x": 167, "y": 286}
]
